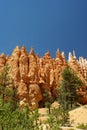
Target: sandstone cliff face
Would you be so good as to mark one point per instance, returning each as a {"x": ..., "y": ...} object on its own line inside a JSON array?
[{"x": 33, "y": 75}]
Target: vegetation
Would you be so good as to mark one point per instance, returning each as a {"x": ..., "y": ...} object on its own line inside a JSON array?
[
  {"x": 82, "y": 126},
  {"x": 68, "y": 90},
  {"x": 47, "y": 98},
  {"x": 12, "y": 117}
]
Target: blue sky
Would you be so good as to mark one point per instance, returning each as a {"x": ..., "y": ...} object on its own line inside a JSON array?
[{"x": 44, "y": 25}]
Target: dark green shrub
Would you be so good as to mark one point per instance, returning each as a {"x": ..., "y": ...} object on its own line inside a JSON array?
[{"x": 82, "y": 126}]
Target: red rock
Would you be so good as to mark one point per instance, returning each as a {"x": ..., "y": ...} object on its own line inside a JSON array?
[{"x": 33, "y": 74}]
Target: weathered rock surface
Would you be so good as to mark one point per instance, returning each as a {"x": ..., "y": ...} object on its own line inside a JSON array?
[{"x": 33, "y": 74}]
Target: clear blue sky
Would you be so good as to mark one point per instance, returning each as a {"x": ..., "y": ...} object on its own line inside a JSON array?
[{"x": 44, "y": 25}]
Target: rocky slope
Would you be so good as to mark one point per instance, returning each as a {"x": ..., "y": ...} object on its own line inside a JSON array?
[{"x": 33, "y": 75}]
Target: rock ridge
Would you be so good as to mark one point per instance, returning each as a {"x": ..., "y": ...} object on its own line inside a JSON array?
[{"x": 33, "y": 74}]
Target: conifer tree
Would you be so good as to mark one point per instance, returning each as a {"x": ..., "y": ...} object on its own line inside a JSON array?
[
  {"x": 69, "y": 84},
  {"x": 4, "y": 82}
]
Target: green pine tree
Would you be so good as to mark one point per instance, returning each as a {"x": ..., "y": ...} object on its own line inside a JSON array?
[{"x": 68, "y": 91}]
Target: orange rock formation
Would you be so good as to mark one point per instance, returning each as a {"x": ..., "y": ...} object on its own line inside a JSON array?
[{"x": 33, "y": 74}]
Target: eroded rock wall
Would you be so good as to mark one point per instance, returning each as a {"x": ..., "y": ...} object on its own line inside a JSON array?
[{"x": 33, "y": 75}]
